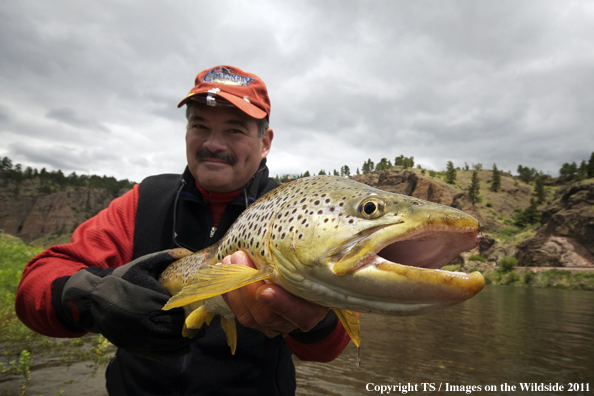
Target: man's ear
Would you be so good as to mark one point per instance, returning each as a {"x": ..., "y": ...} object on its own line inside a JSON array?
[{"x": 266, "y": 142}]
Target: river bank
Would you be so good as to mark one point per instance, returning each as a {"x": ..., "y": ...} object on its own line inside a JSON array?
[{"x": 571, "y": 278}]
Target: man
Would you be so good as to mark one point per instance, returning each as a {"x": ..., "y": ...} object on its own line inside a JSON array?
[{"x": 104, "y": 281}]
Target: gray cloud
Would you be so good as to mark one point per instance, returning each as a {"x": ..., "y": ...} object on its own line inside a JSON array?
[
  {"x": 70, "y": 117},
  {"x": 95, "y": 86}
]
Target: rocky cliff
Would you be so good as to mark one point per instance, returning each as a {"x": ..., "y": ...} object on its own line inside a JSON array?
[{"x": 29, "y": 214}]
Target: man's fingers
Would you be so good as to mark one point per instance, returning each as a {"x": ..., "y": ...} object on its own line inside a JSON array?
[
  {"x": 302, "y": 313},
  {"x": 269, "y": 308}
]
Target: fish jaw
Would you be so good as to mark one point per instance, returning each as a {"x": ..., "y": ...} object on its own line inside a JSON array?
[{"x": 394, "y": 289}]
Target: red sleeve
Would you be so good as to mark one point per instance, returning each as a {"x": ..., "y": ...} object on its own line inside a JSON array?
[
  {"x": 323, "y": 351},
  {"x": 105, "y": 240}
]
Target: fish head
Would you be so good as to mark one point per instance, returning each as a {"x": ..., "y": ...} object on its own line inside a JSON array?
[{"x": 370, "y": 250}]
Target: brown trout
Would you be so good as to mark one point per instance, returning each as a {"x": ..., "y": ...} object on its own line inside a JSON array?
[{"x": 337, "y": 243}]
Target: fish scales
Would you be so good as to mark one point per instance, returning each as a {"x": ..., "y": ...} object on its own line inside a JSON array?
[{"x": 338, "y": 243}]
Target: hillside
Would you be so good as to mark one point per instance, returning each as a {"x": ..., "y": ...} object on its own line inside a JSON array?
[
  {"x": 45, "y": 208},
  {"x": 562, "y": 236}
]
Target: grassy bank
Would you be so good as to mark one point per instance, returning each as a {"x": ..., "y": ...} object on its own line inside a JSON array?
[{"x": 21, "y": 349}]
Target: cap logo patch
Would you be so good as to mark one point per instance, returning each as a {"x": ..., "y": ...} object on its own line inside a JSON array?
[{"x": 223, "y": 75}]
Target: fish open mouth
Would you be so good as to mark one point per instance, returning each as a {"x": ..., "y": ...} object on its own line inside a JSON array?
[
  {"x": 400, "y": 273},
  {"x": 432, "y": 247},
  {"x": 428, "y": 247}
]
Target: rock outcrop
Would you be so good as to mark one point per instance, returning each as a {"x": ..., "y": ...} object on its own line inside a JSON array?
[{"x": 566, "y": 236}]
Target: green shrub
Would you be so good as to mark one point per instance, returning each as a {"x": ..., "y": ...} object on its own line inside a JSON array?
[
  {"x": 507, "y": 263},
  {"x": 477, "y": 257},
  {"x": 489, "y": 204},
  {"x": 492, "y": 278},
  {"x": 452, "y": 267},
  {"x": 541, "y": 280},
  {"x": 510, "y": 278}
]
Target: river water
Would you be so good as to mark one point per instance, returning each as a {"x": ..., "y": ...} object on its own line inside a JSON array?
[{"x": 504, "y": 335}]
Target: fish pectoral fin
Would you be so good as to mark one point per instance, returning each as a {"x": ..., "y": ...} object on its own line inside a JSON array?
[
  {"x": 350, "y": 322},
  {"x": 216, "y": 280},
  {"x": 228, "y": 325}
]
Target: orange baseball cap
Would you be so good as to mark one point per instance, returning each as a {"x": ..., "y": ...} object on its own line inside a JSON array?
[{"x": 246, "y": 91}]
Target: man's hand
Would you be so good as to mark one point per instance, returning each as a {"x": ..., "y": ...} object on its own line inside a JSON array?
[
  {"x": 124, "y": 304},
  {"x": 270, "y": 308}
]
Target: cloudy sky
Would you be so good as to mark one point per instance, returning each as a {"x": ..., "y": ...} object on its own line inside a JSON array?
[{"x": 92, "y": 86}]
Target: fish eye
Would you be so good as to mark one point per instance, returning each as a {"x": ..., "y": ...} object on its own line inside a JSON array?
[{"x": 371, "y": 208}]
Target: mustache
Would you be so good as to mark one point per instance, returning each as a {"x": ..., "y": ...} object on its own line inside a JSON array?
[{"x": 220, "y": 155}]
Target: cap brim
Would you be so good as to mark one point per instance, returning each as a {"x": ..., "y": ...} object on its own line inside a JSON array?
[{"x": 240, "y": 103}]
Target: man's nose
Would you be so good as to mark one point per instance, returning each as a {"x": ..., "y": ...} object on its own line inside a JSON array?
[{"x": 215, "y": 142}]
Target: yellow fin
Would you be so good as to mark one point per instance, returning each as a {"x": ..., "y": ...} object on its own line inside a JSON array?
[
  {"x": 189, "y": 333},
  {"x": 228, "y": 325},
  {"x": 198, "y": 317},
  {"x": 350, "y": 322},
  {"x": 216, "y": 280}
]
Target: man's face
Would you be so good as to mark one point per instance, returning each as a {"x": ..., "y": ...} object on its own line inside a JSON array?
[{"x": 223, "y": 148}]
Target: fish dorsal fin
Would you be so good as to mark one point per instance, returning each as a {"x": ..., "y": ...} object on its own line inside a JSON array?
[
  {"x": 350, "y": 322},
  {"x": 216, "y": 280}
]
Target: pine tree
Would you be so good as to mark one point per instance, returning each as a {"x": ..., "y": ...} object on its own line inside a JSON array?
[
  {"x": 451, "y": 173},
  {"x": 345, "y": 171},
  {"x": 539, "y": 190},
  {"x": 591, "y": 166},
  {"x": 368, "y": 166},
  {"x": 474, "y": 189},
  {"x": 582, "y": 171},
  {"x": 384, "y": 164},
  {"x": 568, "y": 171},
  {"x": 496, "y": 179},
  {"x": 531, "y": 214}
]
